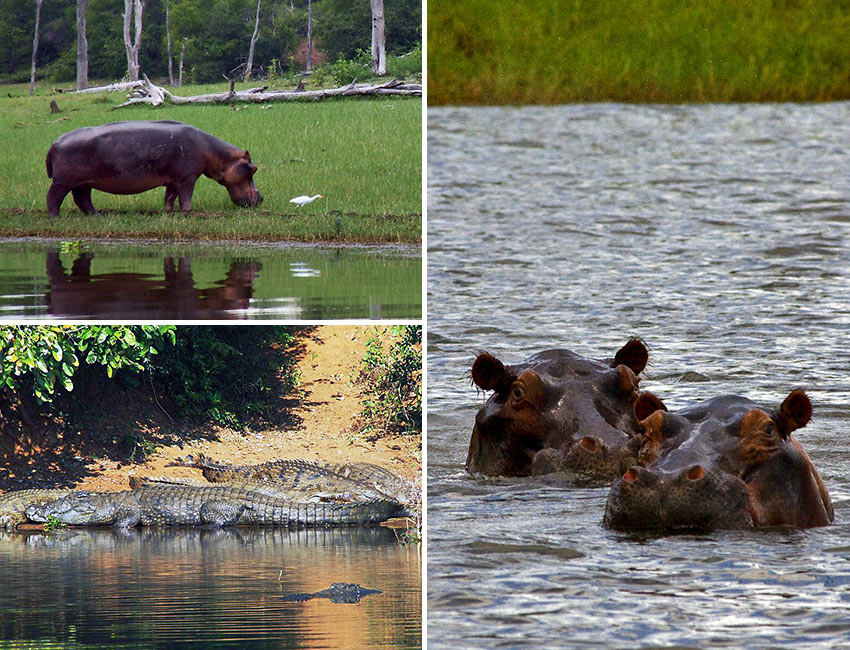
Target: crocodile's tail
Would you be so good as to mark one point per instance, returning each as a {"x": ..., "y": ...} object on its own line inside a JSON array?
[
  {"x": 364, "y": 513},
  {"x": 200, "y": 461}
]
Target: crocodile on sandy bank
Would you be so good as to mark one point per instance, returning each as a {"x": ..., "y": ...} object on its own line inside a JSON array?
[
  {"x": 13, "y": 505},
  {"x": 189, "y": 505},
  {"x": 338, "y": 592},
  {"x": 356, "y": 481}
]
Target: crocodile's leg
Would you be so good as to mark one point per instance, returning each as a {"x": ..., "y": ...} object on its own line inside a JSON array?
[{"x": 220, "y": 513}]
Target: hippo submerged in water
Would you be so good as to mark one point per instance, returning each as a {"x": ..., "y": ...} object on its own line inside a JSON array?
[
  {"x": 723, "y": 463},
  {"x": 559, "y": 412},
  {"x": 133, "y": 157}
]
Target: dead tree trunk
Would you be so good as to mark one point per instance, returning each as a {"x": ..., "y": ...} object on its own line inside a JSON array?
[
  {"x": 254, "y": 36},
  {"x": 180, "y": 73},
  {"x": 35, "y": 44},
  {"x": 379, "y": 54},
  {"x": 309, "y": 35},
  {"x": 168, "y": 44},
  {"x": 82, "y": 46},
  {"x": 133, "y": 10}
]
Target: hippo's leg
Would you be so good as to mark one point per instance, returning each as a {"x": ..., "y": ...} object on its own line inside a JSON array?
[
  {"x": 55, "y": 195},
  {"x": 82, "y": 197},
  {"x": 170, "y": 195},
  {"x": 184, "y": 193}
]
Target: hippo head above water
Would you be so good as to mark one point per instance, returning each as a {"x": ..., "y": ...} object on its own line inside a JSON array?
[
  {"x": 557, "y": 411},
  {"x": 723, "y": 463}
]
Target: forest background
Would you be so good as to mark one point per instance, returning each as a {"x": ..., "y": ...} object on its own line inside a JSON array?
[{"x": 216, "y": 34}]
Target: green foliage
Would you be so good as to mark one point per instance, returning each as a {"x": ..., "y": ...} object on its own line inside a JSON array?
[
  {"x": 227, "y": 373},
  {"x": 405, "y": 65},
  {"x": 53, "y": 524},
  {"x": 216, "y": 32},
  {"x": 345, "y": 71},
  {"x": 500, "y": 52},
  {"x": 392, "y": 370},
  {"x": 40, "y": 358}
]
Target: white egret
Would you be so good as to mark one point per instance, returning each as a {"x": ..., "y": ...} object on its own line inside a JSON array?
[{"x": 304, "y": 199}]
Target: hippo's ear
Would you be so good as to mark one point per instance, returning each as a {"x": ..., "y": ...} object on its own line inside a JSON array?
[
  {"x": 651, "y": 436},
  {"x": 633, "y": 354},
  {"x": 627, "y": 381},
  {"x": 646, "y": 404},
  {"x": 487, "y": 371},
  {"x": 794, "y": 413},
  {"x": 247, "y": 156}
]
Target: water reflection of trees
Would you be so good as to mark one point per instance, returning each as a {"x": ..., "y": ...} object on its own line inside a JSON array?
[{"x": 198, "y": 586}]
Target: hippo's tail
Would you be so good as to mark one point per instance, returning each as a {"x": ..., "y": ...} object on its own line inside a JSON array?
[{"x": 49, "y": 163}]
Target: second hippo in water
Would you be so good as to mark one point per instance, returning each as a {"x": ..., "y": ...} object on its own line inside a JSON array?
[
  {"x": 133, "y": 157},
  {"x": 723, "y": 463},
  {"x": 559, "y": 412}
]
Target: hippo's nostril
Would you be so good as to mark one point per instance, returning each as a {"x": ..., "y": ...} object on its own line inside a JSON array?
[
  {"x": 590, "y": 443},
  {"x": 696, "y": 472}
]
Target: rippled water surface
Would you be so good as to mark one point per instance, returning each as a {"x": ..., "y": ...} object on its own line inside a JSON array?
[
  {"x": 206, "y": 589},
  {"x": 719, "y": 235},
  {"x": 97, "y": 280}
]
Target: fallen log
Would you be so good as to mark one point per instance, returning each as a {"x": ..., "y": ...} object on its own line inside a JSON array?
[
  {"x": 122, "y": 85},
  {"x": 148, "y": 93}
]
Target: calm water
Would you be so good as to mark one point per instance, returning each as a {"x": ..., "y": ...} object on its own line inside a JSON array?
[
  {"x": 718, "y": 234},
  {"x": 44, "y": 278},
  {"x": 206, "y": 589}
]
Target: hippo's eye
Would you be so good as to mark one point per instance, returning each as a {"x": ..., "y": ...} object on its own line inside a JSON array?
[{"x": 516, "y": 391}]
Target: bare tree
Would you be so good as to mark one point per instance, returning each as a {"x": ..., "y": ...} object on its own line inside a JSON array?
[
  {"x": 35, "y": 44},
  {"x": 133, "y": 10},
  {"x": 182, "y": 54},
  {"x": 309, "y": 34},
  {"x": 254, "y": 36},
  {"x": 82, "y": 46},
  {"x": 379, "y": 54},
  {"x": 168, "y": 43}
]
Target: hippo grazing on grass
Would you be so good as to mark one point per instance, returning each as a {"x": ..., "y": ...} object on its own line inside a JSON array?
[
  {"x": 133, "y": 157},
  {"x": 723, "y": 463},
  {"x": 559, "y": 412}
]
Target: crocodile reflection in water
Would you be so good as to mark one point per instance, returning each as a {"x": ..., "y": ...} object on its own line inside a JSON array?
[
  {"x": 338, "y": 592},
  {"x": 132, "y": 294}
]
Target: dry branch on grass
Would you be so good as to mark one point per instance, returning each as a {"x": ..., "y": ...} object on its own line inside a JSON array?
[{"x": 145, "y": 92}]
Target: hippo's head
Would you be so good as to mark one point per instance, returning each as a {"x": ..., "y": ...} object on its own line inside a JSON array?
[
  {"x": 723, "y": 464},
  {"x": 238, "y": 178},
  {"x": 557, "y": 411}
]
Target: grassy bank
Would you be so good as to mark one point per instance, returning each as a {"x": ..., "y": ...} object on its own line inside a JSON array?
[
  {"x": 500, "y": 52},
  {"x": 363, "y": 156}
]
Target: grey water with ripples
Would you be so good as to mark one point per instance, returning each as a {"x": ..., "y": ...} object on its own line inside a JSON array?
[{"x": 719, "y": 235}]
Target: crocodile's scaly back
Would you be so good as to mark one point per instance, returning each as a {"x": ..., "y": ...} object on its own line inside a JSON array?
[
  {"x": 340, "y": 481},
  {"x": 189, "y": 505},
  {"x": 13, "y": 505}
]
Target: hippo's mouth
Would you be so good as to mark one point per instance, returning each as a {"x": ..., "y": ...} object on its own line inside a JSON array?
[{"x": 249, "y": 203}]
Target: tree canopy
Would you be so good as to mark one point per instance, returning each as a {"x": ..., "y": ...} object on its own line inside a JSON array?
[{"x": 216, "y": 33}]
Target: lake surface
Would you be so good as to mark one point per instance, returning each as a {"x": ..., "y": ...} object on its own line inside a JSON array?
[
  {"x": 190, "y": 588},
  {"x": 719, "y": 235},
  {"x": 155, "y": 281}
]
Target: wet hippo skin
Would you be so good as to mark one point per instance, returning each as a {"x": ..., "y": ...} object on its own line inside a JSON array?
[
  {"x": 559, "y": 412},
  {"x": 133, "y": 157},
  {"x": 723, "y": 463}
]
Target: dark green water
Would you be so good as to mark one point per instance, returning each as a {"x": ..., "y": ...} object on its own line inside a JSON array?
[
  {"x": 192, "y": 588},
  {"x": 98, "y": 280}
]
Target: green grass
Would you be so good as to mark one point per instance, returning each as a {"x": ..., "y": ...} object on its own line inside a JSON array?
[
  {"x": 666, "y": 51},
  {"x": 364, "y": 156}
]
